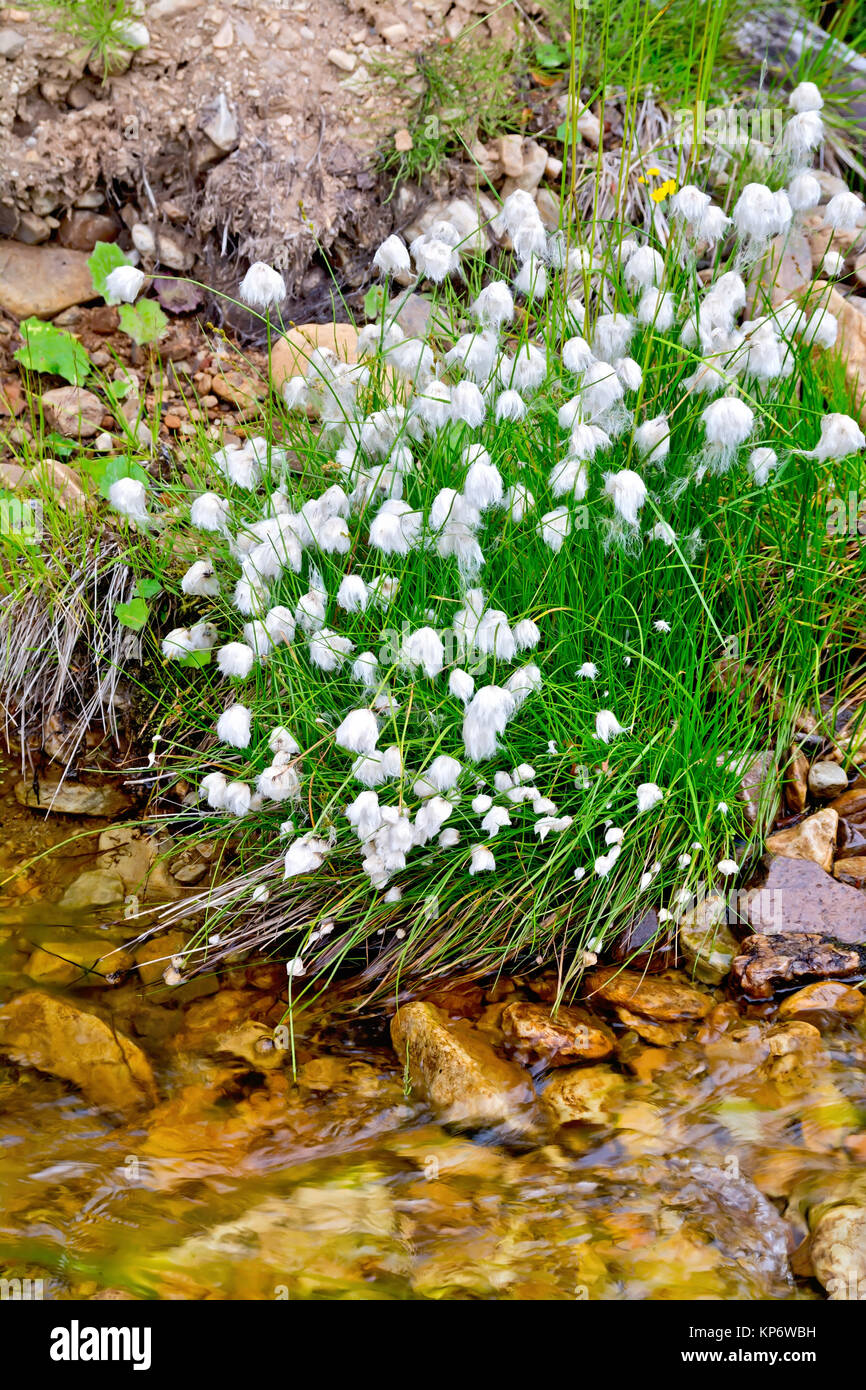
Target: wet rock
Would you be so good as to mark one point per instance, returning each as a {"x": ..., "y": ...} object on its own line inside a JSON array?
[
  {"x": 851, "y": 870},
  {"x": 839, "y": 1252},
  {"x": 649, "y": 995},
  {"x": 661, "y": 1034},
  {"x": 455, "y": 1068},
  {"x": 814, "y": 838},
  {"x": 189, "y": 867},
  {"x": 765, "y": 962},
  {"x": 330, "y": 1075},
  {"x": 94, "y": 888},
  {"x": 852, "y": 803},
  {"x": 824, "y": 996},
  {"x": 73, "y": 961},
  {"x": 590, "y": 1095},
  {"x": 127, "y": 851},
  {"x": 706, "y": 941},
  {"x": 42, "y": 280},
  {"x": 645, "y": 939},
  {"x": 798, "y": 896},
  {"x": 827, "y": 780},
  {"x": 253, "y": 1043},
  {"x": 161, "y": 885},
  {"x": 533, "y": 1031},
  {"x": 153, "y": 956},
  {"x": 291, "y": 354},
  {"x": 797, "y": 784},
  {"x": 47, "y": 1032},
  {"x": 73, "y": 411}
]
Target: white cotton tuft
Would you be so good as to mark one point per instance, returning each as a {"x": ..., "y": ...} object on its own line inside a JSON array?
[
  {"x": 461, "y": 685},
  {"x": 440, "y": 776},
  {"x": 652, "y": 439},
  {"x": 644, "y": 269},
  {"x": 555, "y": 527},
  {"x": 486, "y": 716},
  {"x": 424, "y": 649},
  {"x": 329, "y": 650},
  {"x": 236, "y": 659},
  {"x": 238, "y": 798},
  {"x": 177, "y": 644},
  {"x": 761, "y": 464},
  {"x": 262, "y": 287},
  {"x": 576, "y": 355},
  {"x": 844, "y": 212},
  {"x": 840, "y": 437},
  {"x": 352, "y": 595},
  {"x": 392, "y": 257},
  {"x": 280, "y": 625},
  {"x": 588, "y": 671},
  {"x": 495, "y": 820},
  {"x": 481, "y": 860},
  {"x": 210, "y": 512},
  {"x": 527, "y": 635},
  {"x": 510, "y": 405},
  {"x": 200, "y": 580},
  {"x": 123, "y": 284},
  {"x": 805, "y": 97},
  {"x": 213, "y": 786},
  {"x": 233, "y": 726},
  {"x": 468, "y": 405},
  {"x": 358, "y": 732},
  {"x": 482, "y": 487},
  {"x": 494, "y": 305},
  {"x": 648, "y": 795},
  {"x": 365, "y": 670},
  {"x": 728, "y": 422},
  {"x": 129, "y": 497},
  {"x": 804, "y": 192},
  {"x": 607, "y": 726},
  {"x": 627, "y": 490}
]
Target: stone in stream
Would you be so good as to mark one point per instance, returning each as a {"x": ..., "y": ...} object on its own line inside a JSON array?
[
  {"x": 706, "y": 942},
  {"x": 649, "y": 995},
  {"x": 52, "y": 1035},
  {"x": 128, "y": 852},
  {"x": 765, "y": 962},
  {"x": 72, "y": 798},
  {"x": 839, "y": 1252},
  {"x": 827, "y": 780},
  {"x": 456, "y": 1069},
  {"x": 851, "y": 870},
  {"x": 651, "y": 1030},
  {"x": 798, "y": 896},
  {"x": 94, "y": 888},
  {"x": 533, "y": 1031},
  {"x": 77, "y": 961},
  {"x": 590, "y": 1095},
  {"x": 814, "y": 838},
  {"x": 824, "y": 996}
]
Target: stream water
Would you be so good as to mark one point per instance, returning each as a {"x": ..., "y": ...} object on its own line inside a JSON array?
[{"x": 314, "y": 1172}]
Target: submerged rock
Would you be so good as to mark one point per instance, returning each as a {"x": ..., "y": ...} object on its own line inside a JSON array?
[
  {"x": 591, "y": 1095},
  {"x": 839, "y": 1252},
  {"x": 814, "y": 838},
  {"x": 456, "y": 1069},
  {"x": 48, "y": 1033},
  {"x": 649, "y": 995},
  {"x": 72, "y": 798},
  {"x": 94, "y": 888},
  {"x": 768, "y": 961},
  {"x": 706, "y": 941},
  {"x": 569, "y": 1035},
  {"x": 798, "y": 896},
  {"x": 71, "y": 960}
]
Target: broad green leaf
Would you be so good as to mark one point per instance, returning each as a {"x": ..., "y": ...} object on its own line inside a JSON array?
[
  {"x": 133, "y": 614},
  {"x": 50, "y": 349},
  {"x": 144, "y": 322},
  {"x": 147, "y": 588},
  {"x": 106, "y": 257},
  {"x": 195, "y": 659},
  {"x": 374, "y": 301}
]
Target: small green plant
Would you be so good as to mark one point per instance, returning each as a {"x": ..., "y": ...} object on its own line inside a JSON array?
[
  {"x": 104, "y": 29},
  {"x": 105, "y": 257},
  {"x": 144, "y": 322}
]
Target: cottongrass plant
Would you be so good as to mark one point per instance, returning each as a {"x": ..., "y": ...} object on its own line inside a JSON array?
[{"x": 464, "y": 663}]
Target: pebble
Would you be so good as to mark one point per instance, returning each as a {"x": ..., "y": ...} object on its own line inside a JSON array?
[
  {"x": 347, "y": 62},
  {"x": 827, "y": 780}
]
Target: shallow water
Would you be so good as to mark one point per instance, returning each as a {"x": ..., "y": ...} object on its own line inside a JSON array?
[{"x": 258, "y": 1178}]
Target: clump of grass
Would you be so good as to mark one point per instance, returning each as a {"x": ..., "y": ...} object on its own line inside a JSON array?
[
  {"x": 456, "y": 92},
  {"x": 107, "y": 29}
]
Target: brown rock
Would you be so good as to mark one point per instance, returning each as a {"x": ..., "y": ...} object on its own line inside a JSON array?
[
  {"x": 814, "y": 838},
  {"x": 851, "y": 870},
  {"x": 456, "y": 1068},
  {"x": 851, "y": 803},
  {"x": 569, "y": 1035},
  {"x": 767, "y": 961},
  {"x": 47, "y": 1032},
  {"x": 661, "y": 1034},
  {"x": 153, "y": 956},
  {"x": 798, "y": 896},
  {"x": 589, "y": 1095},
  {"x": 76, "y": 961},
  {"x": 796, "y": 784},
  {"x": 72, "y": 798},
  {"x": 850, "y": 343},
  {"x": 839, "y": 1252},
  {"x": 825, "y": 996},
  {"x": 785, "y": 268},
  {"x": 759, "y": 787},
  {"x": 128, "y": 852},
  {"x": 42, "y": 280},
  {"x": 648, "y": 995},
  {"x": 290, "y": 355},
  {"x": 81, "y": 230},
  {"x": 73, "y": 411},
  {"x": 237, "y": 388}
]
